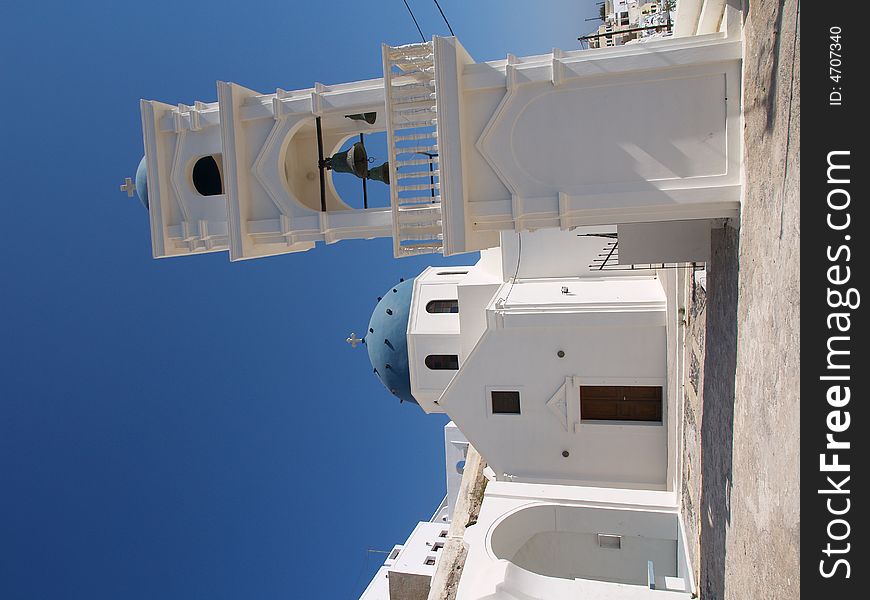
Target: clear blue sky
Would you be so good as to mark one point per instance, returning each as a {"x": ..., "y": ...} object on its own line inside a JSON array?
[{"x": 190, "y": 428}]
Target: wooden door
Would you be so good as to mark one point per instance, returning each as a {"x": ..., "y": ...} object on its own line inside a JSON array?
[{"x": 621, "y": 403}]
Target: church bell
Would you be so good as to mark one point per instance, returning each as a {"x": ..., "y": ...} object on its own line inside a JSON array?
[
  {"x": 381, "y": 173},
  {"x": 369, "y": 117},
  {"x": 353, "y": 160}
]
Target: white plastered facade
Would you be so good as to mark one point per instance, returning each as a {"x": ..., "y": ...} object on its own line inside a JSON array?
[
  {"x": 536, "y": 296},
  {"x": 544, "y": 328}
]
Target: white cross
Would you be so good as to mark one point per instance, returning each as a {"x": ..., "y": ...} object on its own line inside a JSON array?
[
  {"x": 353, "y": 340},
  {"x": 128, "y": 187}
]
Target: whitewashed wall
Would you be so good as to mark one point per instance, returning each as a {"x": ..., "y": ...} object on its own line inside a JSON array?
[
  {"x": 433, "y": 333},
  {"x": 602, "y": 347},
  {"x": 514, "y": 514}
]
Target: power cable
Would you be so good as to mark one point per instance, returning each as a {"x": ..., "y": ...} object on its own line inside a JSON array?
[
  {"x": 411, "y": 12},
  {"x": 443, "y": 16},
  {"x": 517, "y": 272}
]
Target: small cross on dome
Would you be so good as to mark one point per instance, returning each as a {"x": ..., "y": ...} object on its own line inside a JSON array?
[{"x": 354, "y": 341}]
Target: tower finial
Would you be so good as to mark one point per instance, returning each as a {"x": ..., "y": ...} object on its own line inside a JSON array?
[
  {"x": 354, "y": 341},
  {"x": 128, "y": 186}
]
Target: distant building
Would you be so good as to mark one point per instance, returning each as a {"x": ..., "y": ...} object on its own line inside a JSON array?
[
  {"x": 629, "y": 20},
  {"x": 408, "y": 568}
]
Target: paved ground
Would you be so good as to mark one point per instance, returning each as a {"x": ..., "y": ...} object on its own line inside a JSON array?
[{"x": 742, "y": 418}]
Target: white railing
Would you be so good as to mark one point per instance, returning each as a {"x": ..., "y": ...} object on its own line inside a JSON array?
[{"x": 415, "y": 195}]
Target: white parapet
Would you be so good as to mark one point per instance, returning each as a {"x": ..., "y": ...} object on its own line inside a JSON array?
[{"x": 415, "y": 188}]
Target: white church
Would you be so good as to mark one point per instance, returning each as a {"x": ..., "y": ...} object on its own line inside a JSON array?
[{"x": 558, "y": 356}]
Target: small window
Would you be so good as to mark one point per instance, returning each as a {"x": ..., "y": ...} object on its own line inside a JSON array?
[
  {"x": 505, "y": 403},
  {"x": 442, "y": 362},
  {"x": 437, "y": 546},
  {"x": 207, "y": 176},
  {"x": 394, "y": 553},
  {"x": 442, "y": 306},
  {"x": 609, "y": 540},
  {"x": 430, "y": 560},
  {"x": 443, "y": 533},
  {"x": 452, "y": 272}
]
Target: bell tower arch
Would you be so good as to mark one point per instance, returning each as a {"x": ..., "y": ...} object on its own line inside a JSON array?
[{"x": 282, "y": 198}]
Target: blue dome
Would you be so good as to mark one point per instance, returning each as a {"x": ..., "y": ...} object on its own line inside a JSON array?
[
  {"x": 387, "y": 340},
  {"x": 142, "y": 182}
]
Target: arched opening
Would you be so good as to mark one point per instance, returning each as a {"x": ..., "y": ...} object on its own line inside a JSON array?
[
  {"x": 442, "y": 362},
  {"x": 600, "y": 544},
  {"x": 442, "y": 306},
  {"x": 208, "y": 176}
]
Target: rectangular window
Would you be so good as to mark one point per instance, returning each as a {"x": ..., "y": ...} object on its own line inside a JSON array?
[
  {"x": 608, "y": 540},
  {"x": 505, "y": 403},
  {"x": 442, "y": 362},
  {"x": 442, "y": 306},
  {"x": 621, "y": 403},
  {"x": 430, "y": 560},
  {"x": 437, "y": 546}
]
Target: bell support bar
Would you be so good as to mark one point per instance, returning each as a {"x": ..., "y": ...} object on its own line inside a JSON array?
[{"x": 321, "y": 166}]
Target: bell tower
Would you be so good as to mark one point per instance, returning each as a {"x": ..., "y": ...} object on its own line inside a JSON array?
[{"x": 634, "y": 136}]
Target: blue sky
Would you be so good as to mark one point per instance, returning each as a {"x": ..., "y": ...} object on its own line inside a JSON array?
[{"x": 192, "y": 428}]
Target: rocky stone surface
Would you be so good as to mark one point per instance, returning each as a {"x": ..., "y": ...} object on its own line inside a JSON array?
[
  {"x": 742, "y": 417},
  {"x": 445, "y": 583}
]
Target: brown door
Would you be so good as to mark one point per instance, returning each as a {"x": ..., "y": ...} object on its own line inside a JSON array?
[{"x": 621, "y": 403}]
